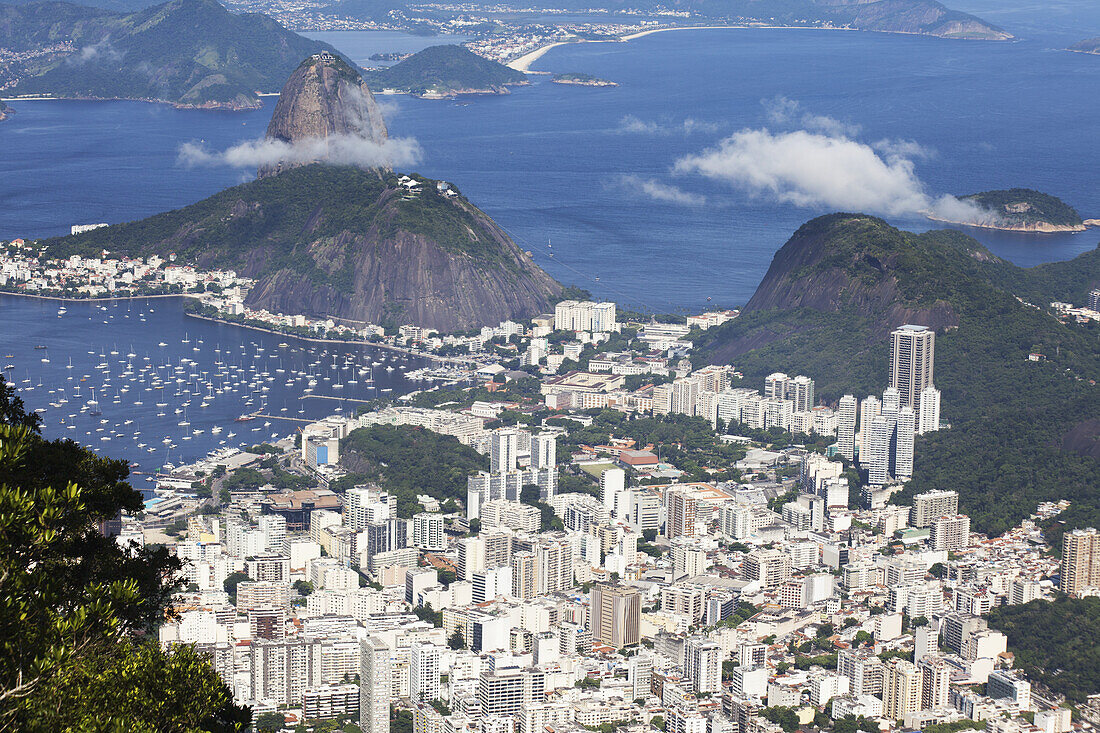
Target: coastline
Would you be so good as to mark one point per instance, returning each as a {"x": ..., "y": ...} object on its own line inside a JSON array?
[
  {"x": 97, "y": 299},
  {"x": 523, "y": 63},
  {"x": 412, "y": 352},
  {"x": 345, "y": 342},
  {"x": 1036, "y": 229},
  {"x": 219, "y": 106}
]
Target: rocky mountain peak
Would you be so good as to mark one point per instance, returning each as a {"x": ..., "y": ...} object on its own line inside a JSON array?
[{"x": 325, "y": 98}]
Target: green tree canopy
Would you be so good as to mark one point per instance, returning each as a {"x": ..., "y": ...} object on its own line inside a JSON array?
[{"x": 77, "y": 610}]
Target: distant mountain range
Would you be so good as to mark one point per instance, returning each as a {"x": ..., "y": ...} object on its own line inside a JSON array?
[
  {"x": 186, "y": 52},
  {"x": 444, "y": 71},
  {"x": 925, "y": 17},
  {"x": 1019, "y": 387}
]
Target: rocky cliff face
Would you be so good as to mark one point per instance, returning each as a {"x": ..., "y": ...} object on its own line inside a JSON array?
[
  {"x": 351, "y": 244},
  {"x": 324, "y": 99},
  {"x": 391, "y": 270}
]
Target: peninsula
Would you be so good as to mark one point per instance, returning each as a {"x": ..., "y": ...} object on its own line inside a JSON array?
[
  {"x": 329, "y": 240},
  {"x": 190, "y": 53},
  {"x": 1022, "y": 210},
  {"x": 445, "y": 71}
]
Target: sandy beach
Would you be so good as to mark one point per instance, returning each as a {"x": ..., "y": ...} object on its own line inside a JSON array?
[{"x": 523, "y": 63}]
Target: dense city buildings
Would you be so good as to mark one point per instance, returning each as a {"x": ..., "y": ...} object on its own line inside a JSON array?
[{"x": 573, "y": 573}]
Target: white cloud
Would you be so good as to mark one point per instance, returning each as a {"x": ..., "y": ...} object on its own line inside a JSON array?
[
  {"x": 662, "y": 192},
  {"x": 818, "y": 170},
  {"x": 785, "y": 112},
  {"x": 103, "y": 50},
  {"x": 688, "y": 126},
  {"x": 903, "y": 149},
  {"x": 340, "y": 149}
]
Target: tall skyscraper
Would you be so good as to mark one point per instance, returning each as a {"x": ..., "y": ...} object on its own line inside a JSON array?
[
  {"x": 904, "y": 436},
  {"x": 503, "y": 447},
  {"x": 932, "y": 505},
  {"x": 524, "y": 583},
  {"x": 935, "y": 680},
  {"x": 471, "y": 557},
  {"x": 891, "y": 402},
  {"x": 544, "y": 451},
  {"x": 639, "y": 675},
  {"x": 928, "y": 418},
  {"x": 428, "y": 531},
  {"x": 612, "y": 483},
  {"x": 875, "y": 454},
  {"x": 869, "y": 407},
  {"x": 681, "y": 514},
  {"x": 375, "y": 686},
  {"x": 901, "y": 689},
  {"x": 801, "y": 391},
  {"x": 615, "y": 615},
  {"x": 424, "y": 672},
  {"x": 703, "y": 665},
  {"x": 912, "y": 356},
  {"x": 1080, "y": 561},
  {"x": 775, "y": 386},
  {"x": 553, "y": 566},
  {"x": 846, "y": 427}
]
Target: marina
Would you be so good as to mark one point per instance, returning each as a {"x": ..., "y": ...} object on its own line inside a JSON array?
[{"x": 138, "y": 380}]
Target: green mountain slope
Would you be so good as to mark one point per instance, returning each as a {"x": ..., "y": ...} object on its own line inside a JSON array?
[
  {"x": 347, "y": 243},
  {"x": 1023, "y": 208},
  {"x": 188, "y": 52},
  {"x": 1023, "y": 431},
  {"x": 445, "y": 70}
]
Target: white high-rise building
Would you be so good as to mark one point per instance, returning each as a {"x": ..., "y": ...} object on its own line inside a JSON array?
[
  {"x": 375, "y": 688},
  {"x": 801, "y": 391},
  {"x": 544, "y": 451},
  {"x": 876, "y": 448},
  {"x": 903, "y": 443},
  {"x": 428, "y": 531},
  {"x": 703, "y": 665},
  {"x": 639, "y": 675},
  {"x": 364, "y": 505},
  {"x": 471, "y": 557},
  {"x": 869, "y": 407},
  {"x": 912, "y": 357},
  {"x": 891, "y": 401},
  {"x": 775, "y": 386},
  {"x": 929, "y": 417},
  {"x": 573, "y": 315},
  {"x": 273, "y": 527},
  {"x": 424, "y": 672},
  {"x": 846, "y": 427},
  {"x": 612, "y": 483},
  {"x": 503, "y": 447}
]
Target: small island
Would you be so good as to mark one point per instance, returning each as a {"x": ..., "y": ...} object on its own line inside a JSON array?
[
  {"x": 1022, "y": 210},
  {"x": 583, "y": 80},
  {"x": 1089, "y": 45},
  {"x": 5, "y": 110},
  {"x": 438, "y": 72}
]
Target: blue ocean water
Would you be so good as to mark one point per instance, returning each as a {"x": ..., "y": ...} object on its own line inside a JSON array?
[
  {"x": 150, "y": 367},
  {"x": 579, "y": 168}
]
